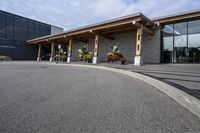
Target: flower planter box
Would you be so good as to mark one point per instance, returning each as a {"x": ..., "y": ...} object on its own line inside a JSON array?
[{"x": 116, "y": 59}]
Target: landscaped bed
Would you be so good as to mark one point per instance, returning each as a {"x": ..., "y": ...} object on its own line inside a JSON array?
[{"x": 5, "y": 58}]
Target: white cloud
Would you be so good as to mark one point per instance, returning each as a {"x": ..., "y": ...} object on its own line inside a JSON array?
[
  {"x": 75, "y": 13},
  {"x": 109, "y": 8}
]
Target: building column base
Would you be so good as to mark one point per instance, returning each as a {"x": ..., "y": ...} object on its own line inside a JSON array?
[
  {"x": 138, "y": 61},
  {"x": 94, "y": 60},
  {"x": 51, "y": 59},
  {"x": 68, "y": 59},
  {"x": 38, "y": 58}
]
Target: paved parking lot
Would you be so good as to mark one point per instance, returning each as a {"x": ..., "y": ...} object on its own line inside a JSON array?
[{"x": 37, "y": 97}]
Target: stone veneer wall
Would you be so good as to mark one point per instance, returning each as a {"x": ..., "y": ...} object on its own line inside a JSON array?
[
  {"x": 126, "y": 43},
  {"x": 151, "y": 48},
  {"x": 77, "y": 45}
]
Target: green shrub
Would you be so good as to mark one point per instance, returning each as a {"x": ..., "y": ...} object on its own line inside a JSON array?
[
  {"x": 64, "y": 57},
  {"x": 5, "y": 58}
]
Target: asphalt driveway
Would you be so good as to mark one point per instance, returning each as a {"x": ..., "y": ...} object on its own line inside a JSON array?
[
  {"x": 185, "y": 77},
  {"x": 42, "y": 98}
]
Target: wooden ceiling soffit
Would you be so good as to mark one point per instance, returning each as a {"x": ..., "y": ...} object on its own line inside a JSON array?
[
  {"x": 97, "y": 32},
  {"x": 149, "y": 31},
  {"x": 118, "y": 30},
  {"x": 108, "y": 37},
  {"x": 95, "y": 28},
  {"x": 42, "y": 43},
  {"x": 81, "y": 40},
  {"x": 123, "y": 22}
]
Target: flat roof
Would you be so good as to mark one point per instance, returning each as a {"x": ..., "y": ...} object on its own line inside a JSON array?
[
  {"x": 30, "y": 19},
  {"x": 178, "y": 16},
  {"x": 139, "y": 14},
  {"x": 163, "y": 19}
]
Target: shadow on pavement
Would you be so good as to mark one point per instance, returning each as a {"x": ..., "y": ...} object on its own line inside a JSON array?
[
  {"x": 185, "y": 77},
  {"x": 193, "y": 92}
]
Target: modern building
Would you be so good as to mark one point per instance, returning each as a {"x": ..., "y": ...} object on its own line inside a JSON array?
[
  {"x": 168, "y": 39},
  {"x": 16, "y": 30}
]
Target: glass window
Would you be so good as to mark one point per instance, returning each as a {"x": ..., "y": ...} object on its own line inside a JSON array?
[
  {"x": 24, "y": 29},
  {"x": 10, "y": 29},
  {"x": 43, "y": 30},
  {"x": 180, "y": 28},
  {"x": 30, "y": 29},
  {"x": 2, "y": 25},
  {"x": 194, "y": 27},
  {"x": 47, "y": 30},
  {"x": 180, "y": 42},
  {"x": 168, "y": 38},
  {"x": 17, "y": 28},
  {"x": 167, "y": 43},
  {"x": 180, "y": 33},
  {"x": 194, "y": 41},
  {"x": 36, "y": 29}
]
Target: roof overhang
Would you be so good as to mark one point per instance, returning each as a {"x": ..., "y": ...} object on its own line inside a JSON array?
[
  {"x": 179, "y": 17},
  {"x": 106, "y": 28}
]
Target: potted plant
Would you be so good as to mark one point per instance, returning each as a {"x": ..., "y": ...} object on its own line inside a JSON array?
[
  {"x": 115, "y": 55},
  {"x": 61, "y": 55},
  {"x": 64, "y": 57},
  {"x": 85, "y": 55}
]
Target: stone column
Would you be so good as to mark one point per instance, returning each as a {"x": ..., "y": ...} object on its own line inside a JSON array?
[
  {"x": 52, "y": 51},
  {"x": 69, "y": 51},
  {"x": 96, "y": 49},
  {"x": 138, "y": 58},
  {"x": 39, "y": 52}
]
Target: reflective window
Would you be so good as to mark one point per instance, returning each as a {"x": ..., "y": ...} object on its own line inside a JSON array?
[
  {"x": 180, "y": 42},
  {"x": 180, "y": 33},
  {"x": 183, "y": 40},
  {"x": 194, "y": 41},
  {"x": 24, "y": 29},
  {"x": 17, "y": 28},
  {"x": 43, "y": 30},
  {"x": 193, "y": 27},
  {"x": 30, "y": 29},
  {"x": 47, "y": 30},
  {"x": 168, "y": 43},
  {"x": 13, "y": 27},
  {"x": 36, "y": 29},
  {"x": 10, "y": 29},
  {"x": 2, "y": 25}
]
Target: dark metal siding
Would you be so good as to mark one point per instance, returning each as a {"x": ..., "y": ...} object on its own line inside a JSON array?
[{"x": 15, "y": 31}]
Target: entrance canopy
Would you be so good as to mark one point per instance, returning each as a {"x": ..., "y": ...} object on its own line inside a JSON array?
[{"x": 106, "y": 29}]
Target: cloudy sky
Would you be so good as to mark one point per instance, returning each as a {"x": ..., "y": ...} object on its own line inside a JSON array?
[{"x": 75, "y": 13}]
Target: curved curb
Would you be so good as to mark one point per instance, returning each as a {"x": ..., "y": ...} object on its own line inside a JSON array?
[{"x": 187, "y": 101}]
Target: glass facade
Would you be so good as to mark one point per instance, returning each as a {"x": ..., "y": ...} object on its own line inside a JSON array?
[
  {"x": 15, "y": 31},
  {"x": 14, "y": 27},
  {"x": 194, "y": 41},
  {"x": 168, "y": 43},
  {"x": 181, "y": 42}
]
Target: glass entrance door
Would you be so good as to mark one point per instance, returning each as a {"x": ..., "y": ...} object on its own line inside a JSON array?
[
  {"x": 194, "y": 41},
  {"x": 180, "y": 55},
  {"x": 167, "y": 50},
  {"x": 180, "y": 42}
]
